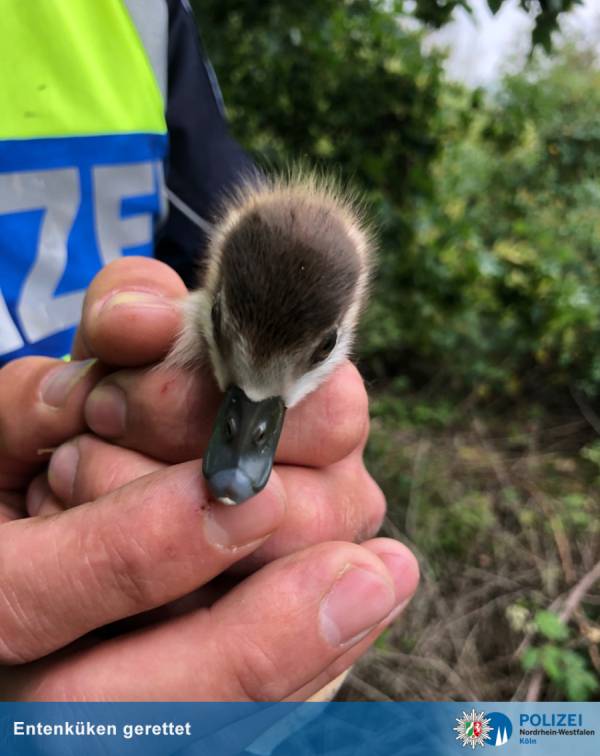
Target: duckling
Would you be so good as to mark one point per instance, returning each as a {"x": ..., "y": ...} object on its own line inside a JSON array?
[{"x": 285, "y": 279}]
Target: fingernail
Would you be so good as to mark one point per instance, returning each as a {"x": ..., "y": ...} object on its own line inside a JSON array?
[
  {"x": 62, "y": 470},
  {"x": 105, "y": 411},
  {"x": 135, "y": 299},
  {"x": 232, "y": 527},
  {"x": 57, "y": 385},
  {"x": 358, "y": 601}
]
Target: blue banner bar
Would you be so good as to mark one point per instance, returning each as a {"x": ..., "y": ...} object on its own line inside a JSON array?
[{"x": 339, "y": 729}]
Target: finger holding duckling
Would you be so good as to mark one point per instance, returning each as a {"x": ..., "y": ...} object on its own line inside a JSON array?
[
  {"x": 169, "y": 415},
  {"x": 285, "y": 278},
  {"x": 287, "y": 273},
  {"x": 339, "y": 501},
  {"x": 130, "y": 313}
]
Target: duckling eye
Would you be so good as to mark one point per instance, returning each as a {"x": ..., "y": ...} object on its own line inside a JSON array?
[{"x": 325, "y": 348}]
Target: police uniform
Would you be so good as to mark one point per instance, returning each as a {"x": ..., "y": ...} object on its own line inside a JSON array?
[{"x": 113, "y": 142}]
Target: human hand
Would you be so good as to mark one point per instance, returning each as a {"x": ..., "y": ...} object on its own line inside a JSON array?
[
  {"x": 281, "y": 634},
  {"x": 68, "y": 607},
  {"x": 155, "y": 417}
]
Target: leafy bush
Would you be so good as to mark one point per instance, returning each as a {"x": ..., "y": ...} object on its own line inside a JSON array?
[
  {"x": 340, "y": 84},
  {"x": 566, "y": 668},
  {"x": 500, "y": 289},
  {"x": 486, "y": 206}
]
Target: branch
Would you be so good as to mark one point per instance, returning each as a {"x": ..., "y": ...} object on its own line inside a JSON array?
[{"x": 574, "y": 598}]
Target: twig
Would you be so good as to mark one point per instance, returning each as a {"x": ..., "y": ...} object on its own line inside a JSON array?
[
  {"x": 574, "y": 598},
  {"x": 578, "y": 591}
]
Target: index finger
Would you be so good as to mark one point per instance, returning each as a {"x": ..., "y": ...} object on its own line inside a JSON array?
[
  {"x": 168, "y": 414},
  {"x": 130, "y": 314},
  {"x": 137, "y": 548}
]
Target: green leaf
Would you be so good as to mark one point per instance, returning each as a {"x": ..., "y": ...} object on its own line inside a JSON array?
[
  {"x": 530, "y": 659},
  {"x": 542, "y": 32},
  {"x": 495, "y": 5},
  {"x": 551, "y": 626},
  {"x": 580, "y": 687},
  {"x": 552, "y": 657},
  {"x": 579, "y": 681}
]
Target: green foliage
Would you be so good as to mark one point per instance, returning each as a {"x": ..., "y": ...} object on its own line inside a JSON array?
[
  {"x": 567, "y": 669},
  {"x": 551, "y": 626},
  {"x": 346, "y": 87},
  {"x": 340, "y": 84},
  {"x": 485, "y": 208},
  {"x": 488, "y": 280},
  {"x": 591, "y": 453},
  {"x": 392, "y": 406},
  {"x": 500, "y": 288}
]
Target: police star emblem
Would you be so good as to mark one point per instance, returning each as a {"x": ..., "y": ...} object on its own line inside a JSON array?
[{"x": 473, "y": 729}]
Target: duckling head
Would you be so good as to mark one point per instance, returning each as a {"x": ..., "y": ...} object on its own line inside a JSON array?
[{"x": 287, "y": 272}]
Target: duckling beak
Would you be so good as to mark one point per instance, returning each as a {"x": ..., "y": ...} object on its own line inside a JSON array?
[{"x": 240, "y": 453}]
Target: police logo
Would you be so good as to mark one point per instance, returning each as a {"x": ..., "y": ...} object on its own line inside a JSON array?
[
  {"x": 473, "y": 729},
  {"x": 478, "y": 728}
]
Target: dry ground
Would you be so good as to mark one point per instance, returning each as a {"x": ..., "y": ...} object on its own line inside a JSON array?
[{"x": 503, "y": 511}]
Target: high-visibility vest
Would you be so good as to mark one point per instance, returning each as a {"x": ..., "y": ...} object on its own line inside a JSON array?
[{"x": 84, "y": 129}]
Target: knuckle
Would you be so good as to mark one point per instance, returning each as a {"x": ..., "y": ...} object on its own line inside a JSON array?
[
  {"x": 321, "y": 516},
  {"x": 357, "y": 502},
  {"x": 17, "y": 637},
  {"x": 360, "y": 504},
  {"x": 130, "y": 578},
  {"x": 118, "y": 561},
  {"x": 256, "y": 673},
  {"x": 97, "y": 472}
]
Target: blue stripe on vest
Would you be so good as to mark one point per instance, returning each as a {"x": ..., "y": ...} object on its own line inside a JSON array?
[{"x": 68, "y": 206}]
